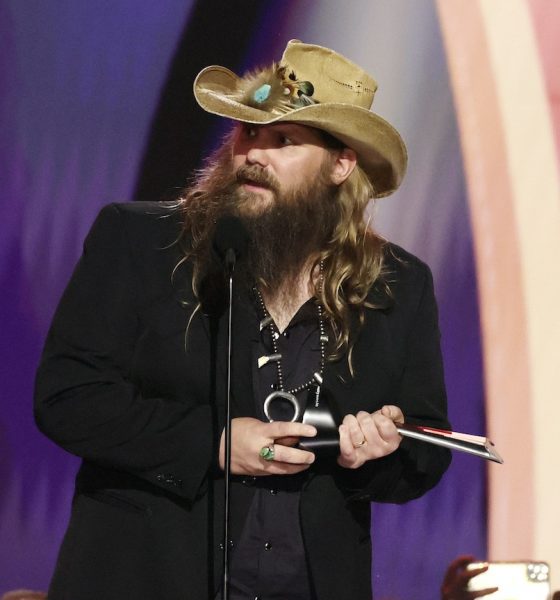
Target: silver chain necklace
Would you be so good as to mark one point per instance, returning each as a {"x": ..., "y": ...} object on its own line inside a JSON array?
[{"x": 316, "y": 379}]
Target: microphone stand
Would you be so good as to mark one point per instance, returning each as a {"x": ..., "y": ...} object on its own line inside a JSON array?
[
  {"x": 230, "y": 241},
  {"x": 230, "y": 266}
]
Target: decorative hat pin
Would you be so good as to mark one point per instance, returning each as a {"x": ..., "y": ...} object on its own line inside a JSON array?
[{"x": 273, "y": 88}]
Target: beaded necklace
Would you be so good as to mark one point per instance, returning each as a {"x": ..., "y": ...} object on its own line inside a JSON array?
[{"x": 317, "y": 378}]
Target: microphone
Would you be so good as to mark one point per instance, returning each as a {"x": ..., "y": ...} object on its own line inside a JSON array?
[{"x": 230, "y": 240}]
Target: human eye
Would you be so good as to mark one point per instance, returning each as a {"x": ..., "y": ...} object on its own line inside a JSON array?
[
  {"x": 286, "y": 140},
  {"x": 250, "y": 131}
]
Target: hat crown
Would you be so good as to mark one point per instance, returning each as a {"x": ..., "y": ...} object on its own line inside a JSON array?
[
  {"x": 334, "y": 77},
  {"x": 315, "y": 87}
]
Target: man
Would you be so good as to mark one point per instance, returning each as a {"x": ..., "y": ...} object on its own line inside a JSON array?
[{"x": 132, "y": 377}]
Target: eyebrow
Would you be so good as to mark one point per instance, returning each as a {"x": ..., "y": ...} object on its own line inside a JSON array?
[
  {"x": 289, "y": 129},
  {"x": 311, "y": 134}
]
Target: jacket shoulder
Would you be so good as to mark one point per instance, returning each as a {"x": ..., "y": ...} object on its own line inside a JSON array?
[
  {"x": 399, "y": 260},
  {"x": 403, "y": 279},
  {"x": 145, "y": 209},
  {"x": 146, "y": 224},
  {"x": 403, "y": 269}
]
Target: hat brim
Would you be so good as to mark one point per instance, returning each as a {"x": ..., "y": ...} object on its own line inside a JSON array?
[{"x": 380, "y": 149}]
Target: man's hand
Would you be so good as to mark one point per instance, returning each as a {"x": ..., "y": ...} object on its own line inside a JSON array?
[
  {"x": 249, "y": 436},
  {"x": 457, "y": 577},
  {"x": 366, "y": 436}
]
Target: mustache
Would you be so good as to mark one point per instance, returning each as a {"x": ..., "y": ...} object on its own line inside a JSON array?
[{"x": 257, "y": 175}]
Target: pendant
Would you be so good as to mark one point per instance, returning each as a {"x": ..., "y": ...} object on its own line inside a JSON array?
[
  {"x": 265, "y": 322},
  {"x": 280, "y": 394},
  {"x": 318, "y": 378},
  {"x": 264, "y": 360}
]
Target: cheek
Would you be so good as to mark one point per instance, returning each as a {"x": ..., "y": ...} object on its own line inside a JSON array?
[
  {"x": 237, "y": 161},
  {"x": 239, "y": 154},
  {"x": 302, "y": 173}
]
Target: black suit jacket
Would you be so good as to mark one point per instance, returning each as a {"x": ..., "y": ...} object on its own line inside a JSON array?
[{"x": 130, "y": 381}]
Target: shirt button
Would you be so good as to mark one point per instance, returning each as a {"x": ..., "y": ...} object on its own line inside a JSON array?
[
  {"x": 221, "y": 545},
  {"x": 267, "y": 546}
]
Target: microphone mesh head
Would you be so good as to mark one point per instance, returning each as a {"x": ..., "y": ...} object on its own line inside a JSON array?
[{"x": 230, "y": 234}]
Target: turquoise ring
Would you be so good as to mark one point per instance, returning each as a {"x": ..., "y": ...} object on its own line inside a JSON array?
[{"x": 267, "y": 452}]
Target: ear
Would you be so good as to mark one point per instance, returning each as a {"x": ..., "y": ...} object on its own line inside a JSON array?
[{"x": 343, "y": 165}]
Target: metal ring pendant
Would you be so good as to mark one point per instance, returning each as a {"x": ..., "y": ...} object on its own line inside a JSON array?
[{"x": 285, "y": 396}]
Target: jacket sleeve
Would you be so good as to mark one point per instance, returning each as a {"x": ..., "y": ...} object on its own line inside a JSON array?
[
  {"x": 416, "y": 466},
  {"x": 85, "y": 400}
]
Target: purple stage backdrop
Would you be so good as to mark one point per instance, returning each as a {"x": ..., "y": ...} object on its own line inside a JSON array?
[{"x": 79, "y": 84}]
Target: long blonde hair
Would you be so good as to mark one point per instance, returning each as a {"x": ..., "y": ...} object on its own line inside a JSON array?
[{"x": 352, "y": 263}]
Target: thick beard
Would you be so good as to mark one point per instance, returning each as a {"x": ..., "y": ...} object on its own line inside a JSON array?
[
  {"x": 286, "y": 234},
  {"x": 292, "y": 229}
]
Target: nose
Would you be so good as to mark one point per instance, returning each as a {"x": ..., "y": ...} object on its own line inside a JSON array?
[{"x": 257, "y": 155}]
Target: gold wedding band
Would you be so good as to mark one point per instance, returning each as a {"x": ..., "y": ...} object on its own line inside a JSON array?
[{"x": 364, "y": 441}]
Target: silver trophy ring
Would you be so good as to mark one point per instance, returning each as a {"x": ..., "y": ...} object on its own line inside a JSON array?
[{"x": 279, "y": 394}]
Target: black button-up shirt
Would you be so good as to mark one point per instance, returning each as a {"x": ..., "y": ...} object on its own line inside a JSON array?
[{"x": 268, "y": 562}]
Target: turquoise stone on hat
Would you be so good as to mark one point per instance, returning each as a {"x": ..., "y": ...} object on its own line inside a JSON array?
[{"x": 261, "y": 95}]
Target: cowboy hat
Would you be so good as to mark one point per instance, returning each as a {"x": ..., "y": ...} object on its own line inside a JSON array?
[{"x": 317, "y": 87}]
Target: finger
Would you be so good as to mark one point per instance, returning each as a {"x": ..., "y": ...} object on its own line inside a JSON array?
[
  {"x": 393, "y": 412},
  {"x": 281, "y": 429},
  {"x": 484, "y": 592},
  {"x": 377, "y": 432},
  {"x": 348, "y": 455},
  {"x": 468, "y": 574},
  {"x": 456, "y": 567},
  {"x": 294, "y": 456},
  {"x": 463, "y": 576},
  {"x": 386, "y": 428},
  {"x": 354, "y": 429},
  {"x": 276, "y": 468},
  {"x": 461, "y": 561},
  {"x": 345, "y": 443},
  {"x": 368, "y": 428},
  {"x": 471, "y": 594},
  {"x": 287, "y": 441}
]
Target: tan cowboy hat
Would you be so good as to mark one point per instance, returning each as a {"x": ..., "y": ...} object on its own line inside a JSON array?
[{"x": 317, "y": 87}]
